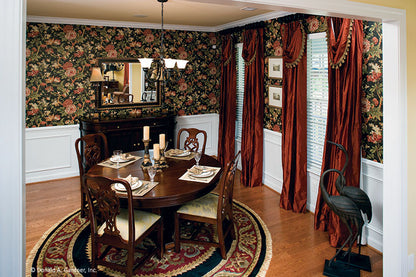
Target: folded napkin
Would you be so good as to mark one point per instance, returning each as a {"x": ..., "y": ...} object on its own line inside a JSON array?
[
  {"x": 131, "y": 180},
  {"x": 198, "y": 170},
  {"x": 127, "y": 157}
]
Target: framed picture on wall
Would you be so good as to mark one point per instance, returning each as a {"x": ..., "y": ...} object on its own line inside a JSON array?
[
  {"x": 276, "y": 67},
  {"x": 275, "y": 96}
]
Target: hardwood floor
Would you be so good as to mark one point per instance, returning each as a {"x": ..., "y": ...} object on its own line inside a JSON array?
[{"x": 298, "y": 249}]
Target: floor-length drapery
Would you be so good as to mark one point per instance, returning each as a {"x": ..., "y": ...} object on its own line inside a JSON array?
[
  {"x": 226, "y": 136},
  {"x": 253, "y": 108},
  {"x": 345, "y": 48},
  {"x": 294, "y": 159}
]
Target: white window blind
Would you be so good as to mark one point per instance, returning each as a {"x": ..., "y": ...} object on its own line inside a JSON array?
[
  {"x": 317, "y": 99},
  {"x": 240, "y": 90}
]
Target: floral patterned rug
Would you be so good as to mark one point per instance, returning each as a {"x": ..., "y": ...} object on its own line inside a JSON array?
[{"x": 65, "y": 251}]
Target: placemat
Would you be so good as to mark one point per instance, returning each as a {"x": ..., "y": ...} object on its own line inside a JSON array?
[
  {"x": 108, "y": 163},
  {"x": 188, "y": 177},
  {"x": 142, "y": 190},
  {"x": 172, "y": 152}
]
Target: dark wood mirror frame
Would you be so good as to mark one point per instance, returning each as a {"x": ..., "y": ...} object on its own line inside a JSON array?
[{"x": 113, "y": 94}]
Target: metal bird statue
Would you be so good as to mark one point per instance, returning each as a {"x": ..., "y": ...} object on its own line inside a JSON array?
[
  {"x": 357, "y": 195},
  {"x": 346, "y": 209}
]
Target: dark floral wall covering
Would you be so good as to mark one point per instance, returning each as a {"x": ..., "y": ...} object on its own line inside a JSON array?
[
  {"x": 59, "y": 59},
  {"x": 372, "y": 83}
]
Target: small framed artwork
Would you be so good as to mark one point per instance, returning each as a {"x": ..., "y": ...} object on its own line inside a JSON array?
[
  {"x": 275, "y": 67},
  {"x": 275, "y": 96}
]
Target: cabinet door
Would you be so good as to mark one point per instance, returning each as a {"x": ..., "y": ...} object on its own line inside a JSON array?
[{"x": 127, "y": 141}]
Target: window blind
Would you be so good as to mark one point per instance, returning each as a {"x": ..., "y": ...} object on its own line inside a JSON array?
[
  {"x": 240, "y": 90},
  {"x": 317, "y": 99}
]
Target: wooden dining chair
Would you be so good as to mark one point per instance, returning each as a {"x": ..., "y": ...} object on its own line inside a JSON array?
[
  {"x": 91, "y": 149},
  {"x": 119, "y": 229},
  {"x": 212, "y": 209},
  {"x": 191, "y": 141}
]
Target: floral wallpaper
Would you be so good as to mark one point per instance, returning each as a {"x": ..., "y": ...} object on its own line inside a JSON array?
[
  {"x": 372, "y": 83},
  {"x": 59, "y": 59}
]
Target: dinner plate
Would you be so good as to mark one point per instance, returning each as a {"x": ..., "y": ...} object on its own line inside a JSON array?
[
  {"x": 203, "y": 174},
  {"x": 183, "y": 154},
  {"x": 114, "y": 160},
  {"x": 120, "y": 187}
]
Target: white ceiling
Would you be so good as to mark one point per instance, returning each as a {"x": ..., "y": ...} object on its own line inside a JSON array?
[{"x": 197, "y": 14}]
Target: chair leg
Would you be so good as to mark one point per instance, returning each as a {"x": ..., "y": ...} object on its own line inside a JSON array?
[
  {"x": 130, "y": 261},
  {"x": 221, "y": 241},
  {"x": 177, "y": 235},
  {"x": 83, "y": 203}
]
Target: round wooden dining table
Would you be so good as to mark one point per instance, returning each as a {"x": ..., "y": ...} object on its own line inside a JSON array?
[{"x": 170, "y": 191}]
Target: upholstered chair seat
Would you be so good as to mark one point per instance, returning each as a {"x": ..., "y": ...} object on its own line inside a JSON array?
[
  {"x": 144, "y": 220},
  {"x": 206, "y": 206}
]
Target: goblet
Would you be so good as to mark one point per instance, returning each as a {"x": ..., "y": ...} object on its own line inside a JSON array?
[
  {"x": 197, "y": 157},
  {"x": 151, "y": 170},
  {"x": 117, "y": 156}
]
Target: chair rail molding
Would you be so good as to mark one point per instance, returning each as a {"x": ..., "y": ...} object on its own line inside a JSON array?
[{"x": 50, "y": 153}]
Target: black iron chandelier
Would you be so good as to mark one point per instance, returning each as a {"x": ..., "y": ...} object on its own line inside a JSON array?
[{"x": 160, "y": 69}]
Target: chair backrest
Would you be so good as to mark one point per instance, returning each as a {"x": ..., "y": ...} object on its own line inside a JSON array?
[
  {"x": 91, "y": 149},
  {"x": 106, "y": 206},
  {"x": 225, "y": 198},
  {"x": 191, "y": 142}
]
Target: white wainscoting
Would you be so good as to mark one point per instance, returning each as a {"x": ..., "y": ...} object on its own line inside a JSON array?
[
  {"x": 206, "y": 122},
  {"x": 50, "y": 153}
]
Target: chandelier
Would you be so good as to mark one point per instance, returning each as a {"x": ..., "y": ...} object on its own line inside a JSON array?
[{"x": 161, "y": 67}]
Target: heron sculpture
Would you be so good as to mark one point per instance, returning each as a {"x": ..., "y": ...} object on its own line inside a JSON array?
[
  {"x": 357, "y": 195},
  {"x": 346, "y": 209}
]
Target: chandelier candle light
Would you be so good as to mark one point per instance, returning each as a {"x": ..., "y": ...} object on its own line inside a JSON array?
[{"x": 163, "y": 66}]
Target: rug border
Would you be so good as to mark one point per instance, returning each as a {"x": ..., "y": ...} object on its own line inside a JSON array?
[{"x": 262, "y": 271}]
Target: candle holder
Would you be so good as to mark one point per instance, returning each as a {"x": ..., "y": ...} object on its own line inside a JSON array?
[
  {"x": 157, "y": 164},
  {"x": 146, "y": 158},
  {"x": 163, "y": 162}
]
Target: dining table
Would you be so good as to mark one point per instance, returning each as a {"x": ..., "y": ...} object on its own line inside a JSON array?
[{"x": 171, "y": 189}]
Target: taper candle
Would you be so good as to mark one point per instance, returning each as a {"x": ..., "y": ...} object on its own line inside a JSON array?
[
  {"x": 156, "y": 151},
  {"x": 146, "y": 133},
  {"x": 162, "y": 141}
]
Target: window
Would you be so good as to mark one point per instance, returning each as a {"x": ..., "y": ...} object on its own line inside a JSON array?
[
  {"x": 317, "y": 99},
  {"x": 240, "y": 90}
]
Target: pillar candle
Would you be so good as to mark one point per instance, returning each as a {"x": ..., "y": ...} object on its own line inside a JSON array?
[
  {"x": 156, "y": 151},
  {"x": 162, "y": 141},
  {"x": 146, "y": 133}
]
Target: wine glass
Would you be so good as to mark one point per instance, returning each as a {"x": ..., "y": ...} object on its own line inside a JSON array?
[
  {"x": 197, "y": 157},
  {"x": 117, "y": 156},
  {"x": 151, "y": 170}
]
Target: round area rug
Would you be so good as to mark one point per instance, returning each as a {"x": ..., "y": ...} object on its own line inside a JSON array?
[{"x": 65, "y": 251}]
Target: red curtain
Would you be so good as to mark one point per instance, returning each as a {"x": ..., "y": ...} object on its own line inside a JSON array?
[
  {"x": 345, "y": 53},
  {"x": 294, "y": 190},
  {"x": 226, "y": 138},
  {"x": 253, "y": 109}
]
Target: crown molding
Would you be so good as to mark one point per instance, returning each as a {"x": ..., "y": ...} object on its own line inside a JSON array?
[{"x": 143, "y": 25}]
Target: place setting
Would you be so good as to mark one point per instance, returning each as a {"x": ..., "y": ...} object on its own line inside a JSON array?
[
  {"x": 138, "y": 187},
  {"x": 198, "y": 173},
  {"x": 180, "y": 154},
  {"x": 119, "y": 159}
]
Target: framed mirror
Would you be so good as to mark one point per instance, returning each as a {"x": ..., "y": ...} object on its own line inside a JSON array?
[{"x": 125, "y": 85}]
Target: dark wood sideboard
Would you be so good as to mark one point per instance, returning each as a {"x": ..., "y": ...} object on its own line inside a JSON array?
[{"x": 127, "y": 134}]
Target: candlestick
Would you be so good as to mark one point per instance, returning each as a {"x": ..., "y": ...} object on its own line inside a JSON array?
[
  {"x": 146, "y": 158},
  {"x": 156, "y": 151},
  {"x": 163, "y": 162},
  {"x": 162, "y": 141},
  {"x": 145, "y": 133}
]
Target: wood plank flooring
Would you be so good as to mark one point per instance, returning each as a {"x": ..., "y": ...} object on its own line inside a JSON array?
[{"x": 298, "y": 250}]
